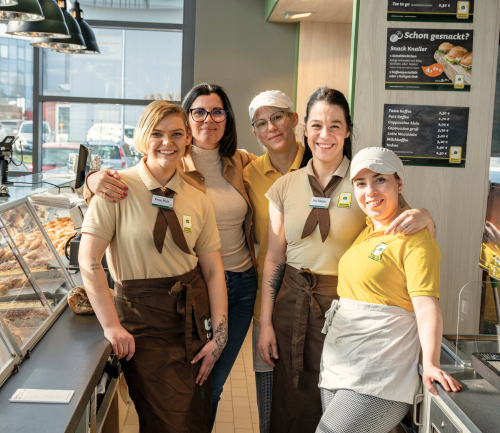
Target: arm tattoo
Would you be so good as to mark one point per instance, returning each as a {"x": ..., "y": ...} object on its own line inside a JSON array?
[
  {"x": 95, "y": 265},
  {"x": 276, "y": 280},
  {"x": 220, "y": 337},
  {"x": 402, "y": 202}
]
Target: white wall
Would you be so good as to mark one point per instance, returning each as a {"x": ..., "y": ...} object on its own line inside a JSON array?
[{"x": 237, "y": 49}]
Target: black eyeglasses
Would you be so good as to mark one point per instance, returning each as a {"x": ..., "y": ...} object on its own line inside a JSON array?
[
  {"x": 199, "y": 114},
  {"x": 276, "y": 119}
]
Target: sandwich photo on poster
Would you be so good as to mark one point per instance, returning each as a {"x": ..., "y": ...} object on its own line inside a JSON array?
[
  {"x": 429, "y": 59},
  {"x": 436, "y": 11}
]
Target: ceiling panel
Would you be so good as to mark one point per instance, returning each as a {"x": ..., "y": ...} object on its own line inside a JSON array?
[{"x": 325, "y": 11}]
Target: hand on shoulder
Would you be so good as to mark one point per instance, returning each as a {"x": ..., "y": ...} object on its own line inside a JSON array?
[{"x": 107, "y": 185}]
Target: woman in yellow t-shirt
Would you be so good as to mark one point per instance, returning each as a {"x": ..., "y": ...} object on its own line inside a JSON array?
[
  {"x": 389, "y": 291},
  {"x": 313, "y": 220}
]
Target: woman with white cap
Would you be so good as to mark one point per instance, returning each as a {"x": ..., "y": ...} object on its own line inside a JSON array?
[
  {"x": 313, "y": 221},
  {"x": 273, "y": 119},
  {"x": 389, "y": 299}
]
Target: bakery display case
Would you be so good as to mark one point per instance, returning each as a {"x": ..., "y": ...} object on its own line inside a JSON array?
[{"x": 34, "y": 282}]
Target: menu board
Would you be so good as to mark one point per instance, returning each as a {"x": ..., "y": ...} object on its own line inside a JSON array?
[
  {"x": 431, "y": 10},
  {"x": 426, "y": 135},
  {"x": 429, "y": 59}
]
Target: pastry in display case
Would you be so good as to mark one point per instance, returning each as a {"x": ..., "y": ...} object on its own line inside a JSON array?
[
  {"x": 58, "y": 225},
  {"x": 33, "y": 281}
]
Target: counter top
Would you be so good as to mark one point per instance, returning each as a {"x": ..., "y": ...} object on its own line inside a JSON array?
[
  {"x": 477, "y": 405},
  {"x": 71, "y": 355}
]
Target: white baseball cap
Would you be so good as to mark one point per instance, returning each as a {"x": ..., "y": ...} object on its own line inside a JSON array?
[
  {"x": 269, "y": 98},
  {"x": 378, "y": 160}
]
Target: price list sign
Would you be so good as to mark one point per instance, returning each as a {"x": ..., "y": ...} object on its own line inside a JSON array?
[
  {"x": 437, "y": 11},
  {"x": 426, "y": 135}
]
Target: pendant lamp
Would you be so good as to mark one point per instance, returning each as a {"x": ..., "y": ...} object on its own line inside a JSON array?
[
  {"x": 87, "y": 33},
  {"x": 25, "y": 10},
  {"x": 75, "y": 40},
  {"x": 8, "y": 2},
  {"x": 52, "y": 26}
]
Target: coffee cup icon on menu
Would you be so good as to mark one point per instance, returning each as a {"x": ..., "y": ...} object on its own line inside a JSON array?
[{"x": 396, "y": 36}]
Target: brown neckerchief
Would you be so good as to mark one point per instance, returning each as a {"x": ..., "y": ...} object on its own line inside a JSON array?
[
  {"x": 165, "y": 218},
  {"x": 319, "y": 216}
]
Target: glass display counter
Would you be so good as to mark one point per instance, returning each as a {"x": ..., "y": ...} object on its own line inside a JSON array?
[{"x": 34, "y": 281}]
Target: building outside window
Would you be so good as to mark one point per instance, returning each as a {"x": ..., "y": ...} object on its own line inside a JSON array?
[{"x": 94, "y": 98}]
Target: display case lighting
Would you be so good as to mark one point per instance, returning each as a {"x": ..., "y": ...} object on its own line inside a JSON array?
[
  {"x": 297, "y": 15},
  {"x": 24, "y": 10},
  {"x": 52, "y": 26},
  {"x": 74, "y": 42}
]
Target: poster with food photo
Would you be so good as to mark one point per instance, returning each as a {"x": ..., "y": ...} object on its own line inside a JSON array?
[{"x": 429, "y": 59}]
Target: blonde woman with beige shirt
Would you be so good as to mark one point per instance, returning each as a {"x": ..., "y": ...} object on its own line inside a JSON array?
[{"x": 214, "y": 166}]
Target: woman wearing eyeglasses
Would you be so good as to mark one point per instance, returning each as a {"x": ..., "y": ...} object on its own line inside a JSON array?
[{"x": 214, "y": 165}]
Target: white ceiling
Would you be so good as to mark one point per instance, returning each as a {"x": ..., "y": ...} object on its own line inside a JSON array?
[{"x": 325, "y": 11}]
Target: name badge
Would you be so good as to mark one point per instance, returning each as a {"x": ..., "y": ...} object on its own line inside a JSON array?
[
  {"x": 320, "y": 202},
  {"x": 165, "y": 202}
]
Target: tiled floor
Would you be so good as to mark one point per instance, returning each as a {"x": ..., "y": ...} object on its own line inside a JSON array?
[{"x": 238, "y": 406}]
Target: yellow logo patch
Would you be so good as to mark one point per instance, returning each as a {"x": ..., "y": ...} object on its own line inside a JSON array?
[
  {"x": 187, "y": 224},
  {"x": 344, "y": 199},
  {"x": 376, "y": 254}
]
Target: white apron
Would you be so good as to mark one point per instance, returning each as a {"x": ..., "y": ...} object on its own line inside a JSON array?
[{"x": 371, "y": 349}]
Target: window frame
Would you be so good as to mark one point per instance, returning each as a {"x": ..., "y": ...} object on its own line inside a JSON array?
[{"x": 187, "y": 74}]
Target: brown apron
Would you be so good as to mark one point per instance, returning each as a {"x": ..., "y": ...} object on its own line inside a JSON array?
[
  {"x": 166, "y": 317},
  {"x": 298, "y": 318}
]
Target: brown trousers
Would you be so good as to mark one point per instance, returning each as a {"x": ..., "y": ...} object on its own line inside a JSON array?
[
  {"x": 166, "y": 317},
  {"x": 298, "y": 318}
]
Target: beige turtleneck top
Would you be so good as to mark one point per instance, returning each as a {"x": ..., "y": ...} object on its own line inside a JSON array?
[{"x": 230, "y": 210}]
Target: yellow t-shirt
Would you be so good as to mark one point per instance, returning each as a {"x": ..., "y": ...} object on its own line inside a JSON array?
[
  {"x": 490, "y": 255},
  {"x": 390, "y": 269},
  {"x": 291, "y": 196},
  {"x": 258, "y": 177},
  {"x": 128, "y": 225}
]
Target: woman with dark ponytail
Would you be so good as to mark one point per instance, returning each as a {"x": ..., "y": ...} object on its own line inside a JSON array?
[{"x": 314, "y": 219}]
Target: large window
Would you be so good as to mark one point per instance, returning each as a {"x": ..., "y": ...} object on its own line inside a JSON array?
[
  {"x": 54, "y": 101},
  {"x": 16, "y": 91},
  {"x": 107, "y": 129},
  {"x": 146, "y": 11},
  {"x": 133, "y": 64}
]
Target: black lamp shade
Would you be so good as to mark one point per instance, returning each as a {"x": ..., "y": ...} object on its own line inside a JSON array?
[
  {"x": 25, "y": 10},
  {"x": 74, "y": 42},
  {"x": 87, "y": 33},
  {"x": 52, "y": 26}
]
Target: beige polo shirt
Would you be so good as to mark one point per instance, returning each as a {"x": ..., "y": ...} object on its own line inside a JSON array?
[
  {"x": 128, "y": 226},
  {"x": 291, "y": 195}
]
